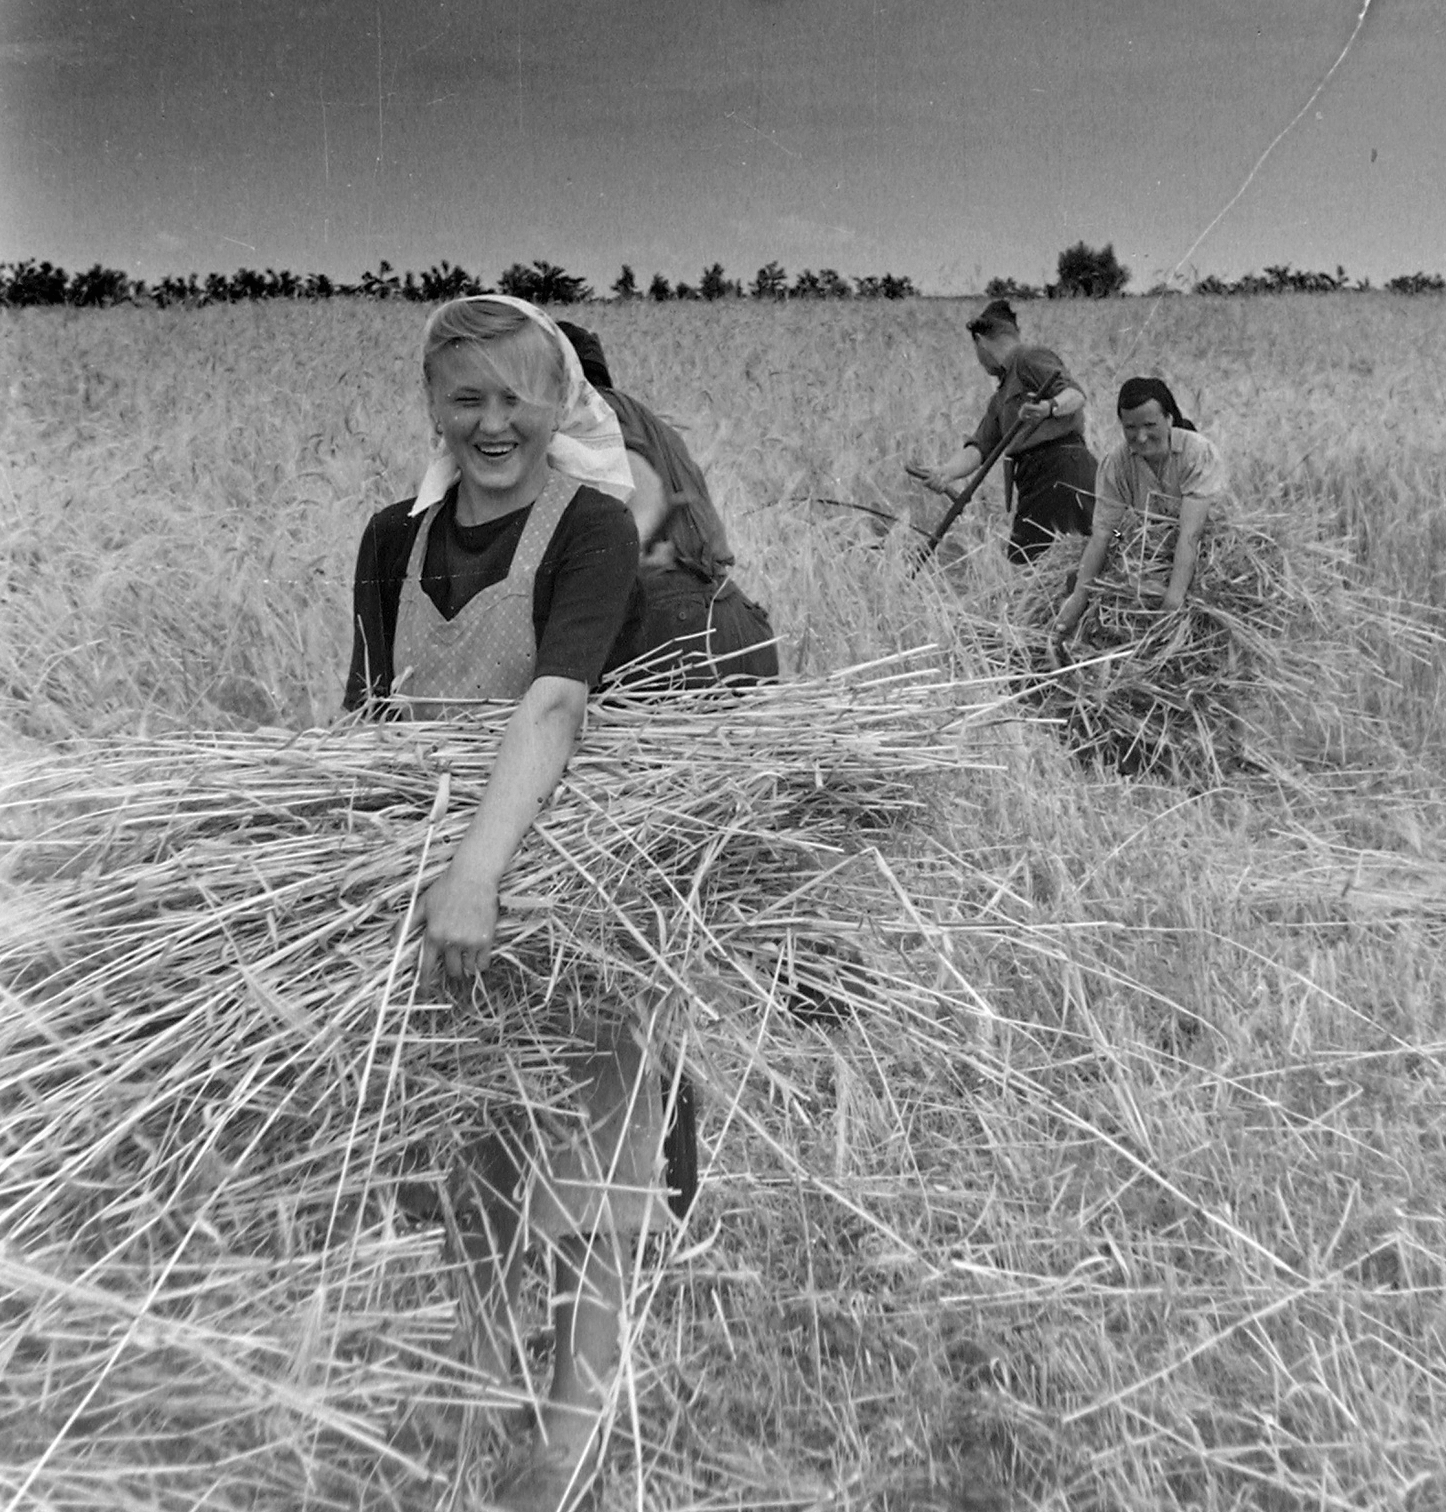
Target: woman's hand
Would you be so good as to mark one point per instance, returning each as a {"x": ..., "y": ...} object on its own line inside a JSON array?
[
  {"x": 1070, "y": 611},
  {"x": 1036, "y": 409},
  {"x": 459, "y": 910},
  {"x": 458, "y": 913},
  {"x": 1055, "y": 656}
]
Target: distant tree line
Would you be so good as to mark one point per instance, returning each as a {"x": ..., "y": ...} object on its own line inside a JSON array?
[
  {"x": 542, "y": 282},
  {"x": 1085, "y": 272},
  {"x": 770, "y": 282},
  {"x": 1283, "y": 279}
]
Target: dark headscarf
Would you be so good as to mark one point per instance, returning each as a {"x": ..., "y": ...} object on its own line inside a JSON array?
[
  {"x": 589, "y": 354},
  {"x": 1137, "y": 391},
  {"x": 998, "y": 315}
]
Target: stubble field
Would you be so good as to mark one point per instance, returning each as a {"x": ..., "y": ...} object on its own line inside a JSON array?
[{"x": 1122, "y": 1184}]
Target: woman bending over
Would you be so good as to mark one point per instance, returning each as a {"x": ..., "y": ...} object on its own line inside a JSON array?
[{"x": 1160, "y": 485}]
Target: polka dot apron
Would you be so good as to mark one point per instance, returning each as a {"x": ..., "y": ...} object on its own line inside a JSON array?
[{"x": 489, "y": 650}]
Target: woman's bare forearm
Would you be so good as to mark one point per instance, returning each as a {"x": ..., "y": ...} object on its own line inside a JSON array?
[
  {"x": 536, "y": 745},
  {"x": 459, "y": 910},
  {"x": 1193, "y": 516},
  {"x": 1097, "y": 548}
]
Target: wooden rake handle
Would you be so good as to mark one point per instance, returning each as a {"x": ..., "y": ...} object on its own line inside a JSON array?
[
  {"x": 958, "y": 501},
  {"x": 1019, "y": 431}
]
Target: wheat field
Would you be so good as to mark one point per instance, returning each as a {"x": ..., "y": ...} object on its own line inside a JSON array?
[{"x": 1119, "y": 1178}]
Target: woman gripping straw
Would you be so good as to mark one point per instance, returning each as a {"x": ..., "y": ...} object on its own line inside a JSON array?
[
  {"x": 514, "y": 575},
  {"x": 1160, "y": 485},
  {"x": 1039, "y": 409}
]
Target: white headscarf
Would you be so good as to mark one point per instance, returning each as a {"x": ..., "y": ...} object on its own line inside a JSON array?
[{"x": 587, "y": 445}]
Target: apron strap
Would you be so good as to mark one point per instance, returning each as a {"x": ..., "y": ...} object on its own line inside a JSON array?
[{"x": 541, "y": 526}]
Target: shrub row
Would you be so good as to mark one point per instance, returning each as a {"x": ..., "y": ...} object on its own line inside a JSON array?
[
  {"x": 1084, "y": 272},
  {"x": 1280, "y": 279},
  {"x": 42, "y": 283}
]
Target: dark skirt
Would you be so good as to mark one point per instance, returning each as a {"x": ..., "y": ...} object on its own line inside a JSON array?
[
  {"x": 698, "y": 634},
  {"x": 1056, "y": 489}
]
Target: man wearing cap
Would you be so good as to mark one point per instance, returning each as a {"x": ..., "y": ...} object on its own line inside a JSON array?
[{"x": 1050, "y": 464}]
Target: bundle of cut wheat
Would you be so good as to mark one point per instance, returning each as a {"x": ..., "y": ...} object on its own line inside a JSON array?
[
  {"x": 1272, "y": 637},
  {"x": 217, "y": 1057}
]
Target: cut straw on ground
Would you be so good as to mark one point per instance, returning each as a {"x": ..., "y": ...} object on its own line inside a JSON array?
[
  {"x": 218, "y": 1058},
  {"x": 1027, "y": 1237}
]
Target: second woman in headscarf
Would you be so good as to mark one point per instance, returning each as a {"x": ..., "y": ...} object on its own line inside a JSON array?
[
  {"x": 1159, "y": 485},
  {"x": 707, "y": 629}
]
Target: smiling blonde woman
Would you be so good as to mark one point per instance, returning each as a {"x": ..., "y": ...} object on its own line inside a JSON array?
[{"x": 513, "y": 575}]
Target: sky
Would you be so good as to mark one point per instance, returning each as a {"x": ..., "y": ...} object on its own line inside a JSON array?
[{"x": 949, "y": 140}]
